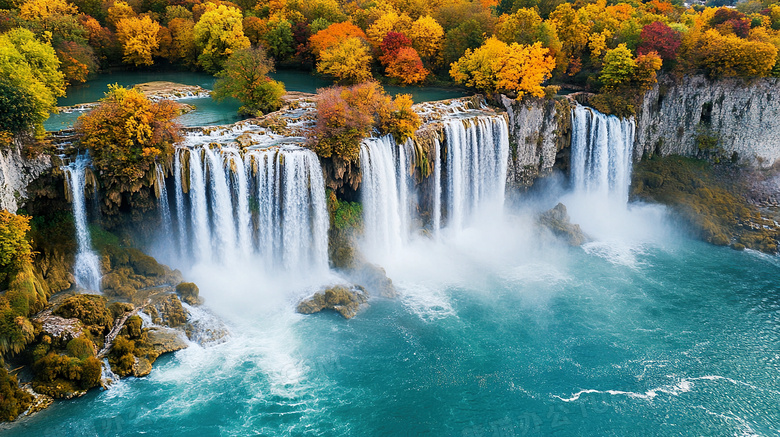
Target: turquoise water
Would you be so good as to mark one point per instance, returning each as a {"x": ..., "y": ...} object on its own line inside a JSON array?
[
  {"x": 207, "y": 111},
  {"x": 499, "y": 331}
]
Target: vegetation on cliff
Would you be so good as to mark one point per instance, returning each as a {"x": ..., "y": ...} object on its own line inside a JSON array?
[
  {"x": 347, "y": 115},
  {"x": 127, "y": 134},
  {"x": 707, "y": 199}
]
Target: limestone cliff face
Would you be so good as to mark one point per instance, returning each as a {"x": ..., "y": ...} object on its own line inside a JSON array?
[
  {"x": 539, "y": 130},
  {"x": 16, "y": 172},
  {"x": 743, "y": 115}
]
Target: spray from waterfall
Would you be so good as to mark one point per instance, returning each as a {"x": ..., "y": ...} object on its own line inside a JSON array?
[
  {"x": 269, "y": 203},
  {"x": 601, "y": 149},
  {"x": 87, "y": 265}
]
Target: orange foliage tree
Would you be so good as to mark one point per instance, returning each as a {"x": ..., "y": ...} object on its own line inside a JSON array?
[{"x": 333, "y": 35}]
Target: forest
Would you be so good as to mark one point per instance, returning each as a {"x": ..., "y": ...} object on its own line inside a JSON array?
[{"x": 521, "y": 47}]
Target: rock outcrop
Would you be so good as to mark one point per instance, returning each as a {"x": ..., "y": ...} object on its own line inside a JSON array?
[
  {"x": 558, "y": 222},
  {"x": 16, "y": 173},
  {"x": 695, "y": 114},
  {"x": 539, "y": 131},
  {"x": 344, "y": 299}
]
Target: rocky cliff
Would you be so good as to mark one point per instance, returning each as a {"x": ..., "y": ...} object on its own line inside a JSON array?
[
  {"x": 16, "y": 173},
  {"x": 695, "y": 114},
  {"x": 539, "y": 130}
]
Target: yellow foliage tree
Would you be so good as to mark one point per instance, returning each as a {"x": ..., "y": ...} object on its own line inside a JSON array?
[
  {"x": 427, "y": 36},
  {"x": 118, "y": 11},
  {"x": 139, "y": 39},
  {"x": 43, "y": 9},
  {"x": 498, "y": 67},
  {"x": 349, "y": 61},
  {"x": 218, "y": 34},
  {"x": 389, "y": 22},
  {"x": 730, "y": 55}
]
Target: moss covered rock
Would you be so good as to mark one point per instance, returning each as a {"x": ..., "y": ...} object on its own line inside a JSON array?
[
  {"x": 343, "y": 299},
  {"x": 188, "y": 292},
  {"x": 90, "y": 309},
  {"x": 13, "y": 400}
]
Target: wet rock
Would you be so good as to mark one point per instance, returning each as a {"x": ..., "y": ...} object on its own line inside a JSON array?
[
  {"x": 59, "y": 328},
  {"x": 558, "y": 222},
  {"x": 374, "y": 278},
  {"x": 344, "y": 299},
  {"x": 188, "y": 292},
  {"x": 164, "y": 340},
  {"x": 141, "y": 367},
  {"x": 167, "y": 310},
  {"x": 39, "y": 401}
]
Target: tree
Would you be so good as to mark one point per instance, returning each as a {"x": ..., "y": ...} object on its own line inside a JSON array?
[
  {"x": 33, "y": 67},
  {"x": 183, "y": 41},
  {"x": 119, "y": 11},
  {"x": 427, "y": 37},
  {"x": 619, "y": 67},
  {"x": 278, "y": 38},
  {"x": 20, "y": 110},
  {"x": 333, "y": 35},
  {"x": 245, "y": 78},
  {"x": 389, "y": 22},
  {"x": 729, "y": 55},
  {"x": 572, "y": 32},
  {"x": 498, "y": 67},
  {"x": 392, "y": 43},
  {"x": 78, "y": 61},
  {"x": 406, "y": 66},
  {"x": 660, "y": 38},
  {"x": 126, "y": 134},
  {"x": 349, "y": 61},
  {"x": 346, "y": 115},
  {"x": 44, "y": 9},
  {"x": 139, "y": 39},
  {"x": 15, "y": 249},
  {"x": 219, "y": 33}
]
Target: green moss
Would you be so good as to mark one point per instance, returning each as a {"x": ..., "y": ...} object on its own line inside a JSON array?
[
  {"x": 13, "y": 400},
  {"x": 90, "y": 309},
  {"x": 188, "y": 292},
  {"x": 712, "y": 205},
  {"x": 81, "y": 348},
  {"x": 133, "y": 327}
]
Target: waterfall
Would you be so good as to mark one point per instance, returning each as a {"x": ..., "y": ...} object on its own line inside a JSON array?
[
  {"x": 385, "y": 167},
  {"x": 601, "y": 149},
  {"x": 476, "y": 164},
  {"x": 179, "y": 197},
  {"x": 87, "y": 265},
  {"x": 469, "y": 177},
  {"x": 163, "y": 205},
  {"x": 268, "y": 202}
]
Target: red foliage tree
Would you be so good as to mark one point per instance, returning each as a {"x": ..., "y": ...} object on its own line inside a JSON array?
[
  {"x": 658, "y": 37},
  {"x": 392, "y": 44}
]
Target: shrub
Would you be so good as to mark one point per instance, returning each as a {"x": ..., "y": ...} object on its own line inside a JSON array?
[{"x": 245, "y": 78}]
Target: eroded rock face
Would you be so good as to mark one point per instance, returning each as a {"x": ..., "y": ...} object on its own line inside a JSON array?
[
  {"x": 741, "y": 115},
  {"x": 557, "y": 220},
  {"x": 16, "y": 173},
  {"x": 344, "y": 299}
]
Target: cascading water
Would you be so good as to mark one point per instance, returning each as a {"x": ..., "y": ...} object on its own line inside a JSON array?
[
  {"x": 601, "y": 153},
  {"x": 270, "y": 202},
  {"x": 87, "y": 265},
  {"x": 477, "y": 158},
  {"x": 469, "y": 176},
  {"x": 387, "y": 179},
  {"x": 163, "y": 205}
]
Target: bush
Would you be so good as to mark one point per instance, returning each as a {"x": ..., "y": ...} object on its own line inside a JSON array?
[
  {"x": 13, "y": 400},
  {"x": 347, "y": 115},
  {"x": 245, "y": 78}
]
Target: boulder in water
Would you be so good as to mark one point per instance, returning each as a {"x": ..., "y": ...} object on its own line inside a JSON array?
[
  {"x": 557, "y": 220},
  {"x": 344, "y": 299}
]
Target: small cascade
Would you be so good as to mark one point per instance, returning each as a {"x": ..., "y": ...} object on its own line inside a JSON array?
[
  {"x": 387, "y": 181},
  {"x": 162, "y": 202},
  {"x": 266, "y": 202},
  {"x": 601, "y": 150},
  {"x": 87, "y": 265}
]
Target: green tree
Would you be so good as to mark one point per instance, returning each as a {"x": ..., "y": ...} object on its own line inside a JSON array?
[
  {"x": 19, "y": 113},
  {"x": 619, "y": 67},
  {"x": 32, "y": 66},
  {"x": 219, "y": 33},
  {"x": 245, "y": 78}
]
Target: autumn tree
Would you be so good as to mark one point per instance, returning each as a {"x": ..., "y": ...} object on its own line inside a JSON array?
[
  {"x": 44, "y": 9},
  {"x": 348, "y": 61},
  {"x": 406, "y": 66},
  {"x": 333, "y": 35},
  {"x": 619, "y": 66},
  {"x": 278, "y": 38},
  {"x": 347, "y": 115},
  {"x": 659, "y": 37},
  {"x": 77, "y": 61},
  {"x": 498, "y": 67},
  {"x": 118, "y": 11},
  {"x": 32, "y": 66},
  {"x": 245, "y": 78},
  {"x": 729, "y": 55},
  {"x": 139, "y": 39},
  {"x": 427, "y": 37},
  {"x": 389, "y": 22},
  {"x": 126, "y": 134},
  {"x": 183, "y": 49},
  {"x": 572, "y": 32},
  {"x": 525, "y": 26},
  {"x": 15, "y": 248},
  {"x": 219, "y": 33}
]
